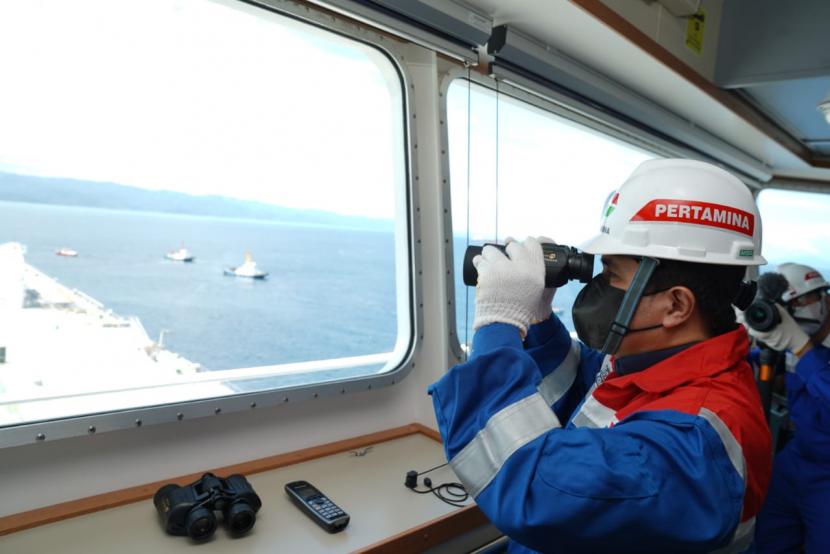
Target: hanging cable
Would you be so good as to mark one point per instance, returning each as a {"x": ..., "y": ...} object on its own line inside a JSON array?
[
  {"x": 467, "y": 289},
  {"x": 497, "y": 161}
]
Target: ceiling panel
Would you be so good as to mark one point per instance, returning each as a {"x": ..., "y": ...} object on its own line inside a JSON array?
[
  {"x": 563, "y": 25},
  {"x": 822, "y": 147},
  {"x": 793, "y": 104}
]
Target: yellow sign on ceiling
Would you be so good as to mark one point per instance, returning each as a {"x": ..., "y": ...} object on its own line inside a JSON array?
[{"x": 694, "y": 32}]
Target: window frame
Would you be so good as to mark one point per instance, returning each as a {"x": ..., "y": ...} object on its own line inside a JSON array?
[
  {"x": 557, "y": 103},
  {"x": 408, "y": 281}
]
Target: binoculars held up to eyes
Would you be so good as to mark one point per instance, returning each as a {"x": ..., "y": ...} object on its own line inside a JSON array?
[{"x": 562, "y": 264}]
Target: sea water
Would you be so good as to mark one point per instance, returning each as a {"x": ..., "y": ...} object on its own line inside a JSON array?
[{"x": 330, "y": 291}]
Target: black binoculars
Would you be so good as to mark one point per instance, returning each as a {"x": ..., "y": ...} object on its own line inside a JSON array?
[
  {"x": 189, "y": 510},
  {"x": 562, "y": 264},
  {"x": 762, "y": 314}
]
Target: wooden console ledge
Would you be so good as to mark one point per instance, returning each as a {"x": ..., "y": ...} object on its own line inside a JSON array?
[{"x": 370, "y": 488}]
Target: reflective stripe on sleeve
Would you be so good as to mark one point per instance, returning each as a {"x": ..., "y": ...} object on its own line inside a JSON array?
[
  {"x": 745, "y": 531},
  {"x": 732, "y": 446},
  {"x": 506, "y": 431},
  {"x": 559, "y": 381},
  {"x": 741, "y": 540},
  {"x": 594, "y": 415}
]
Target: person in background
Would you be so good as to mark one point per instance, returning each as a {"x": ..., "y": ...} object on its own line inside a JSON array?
[
  {"x": 796, "y": 513},
  {"x": 807, "y": 301},
  {"x": 657, "y": 443}
]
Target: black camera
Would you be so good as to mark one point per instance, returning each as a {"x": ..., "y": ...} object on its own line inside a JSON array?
[
  {"x": 189, "y": 510},
  {"x": 562, "y": 264},
  {"x": 762, "y": 314}
]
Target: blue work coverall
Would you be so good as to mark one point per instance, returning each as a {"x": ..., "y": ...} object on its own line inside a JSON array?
[{"x": 672, "y": 458}]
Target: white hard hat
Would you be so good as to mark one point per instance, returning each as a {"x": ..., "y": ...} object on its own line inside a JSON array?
[
  {"x": 802, "y": 279},
  {"x": 681, "y": 210}
]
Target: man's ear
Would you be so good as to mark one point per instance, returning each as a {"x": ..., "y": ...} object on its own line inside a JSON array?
[{"x": 682, "y": 303}]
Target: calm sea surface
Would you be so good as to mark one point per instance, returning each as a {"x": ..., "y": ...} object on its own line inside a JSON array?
[{"x": 330, "y": 291}]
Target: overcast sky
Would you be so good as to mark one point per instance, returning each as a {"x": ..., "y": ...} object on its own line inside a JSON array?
[
  {"x": 198, "y": 96},
  {"x": 796, "y": 228}
]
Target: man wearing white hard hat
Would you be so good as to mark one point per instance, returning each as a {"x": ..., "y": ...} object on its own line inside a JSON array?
[
  {"x": 795, "y": 515},
  {"x": 647, "y": 435},
  {"x": 807, "y": 300}
]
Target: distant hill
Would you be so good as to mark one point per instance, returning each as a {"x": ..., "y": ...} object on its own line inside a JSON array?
[{"x": 72, "y": 192}]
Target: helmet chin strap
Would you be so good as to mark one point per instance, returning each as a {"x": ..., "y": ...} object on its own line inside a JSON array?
[
  {"x": 629, "y": 305},
  {"x": 649, "y": 328}
]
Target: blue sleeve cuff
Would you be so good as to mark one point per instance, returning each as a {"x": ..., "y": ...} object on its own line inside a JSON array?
[
  {"x": 545, "y": 331},
  {"x": 494, "y": 336}
]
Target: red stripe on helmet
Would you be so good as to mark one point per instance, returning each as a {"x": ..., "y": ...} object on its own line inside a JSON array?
[
  {"x": 697, "y": 213},
  {"x": 812, "y": 275}
]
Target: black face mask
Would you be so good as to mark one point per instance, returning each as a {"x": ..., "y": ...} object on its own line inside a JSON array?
[{"x": 594, "y": 311}]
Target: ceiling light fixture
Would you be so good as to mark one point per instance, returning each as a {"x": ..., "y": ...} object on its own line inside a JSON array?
[{"x": 824, "y": 107}]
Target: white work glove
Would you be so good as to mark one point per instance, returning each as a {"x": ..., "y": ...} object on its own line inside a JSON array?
[
  {"x": 787, "y": 335},
  {"x": 509, "y": 287},
  {"x": 543, "y": 307}
]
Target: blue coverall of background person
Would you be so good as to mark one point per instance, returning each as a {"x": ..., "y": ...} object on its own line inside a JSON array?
[{"x": 795, "y": 513}]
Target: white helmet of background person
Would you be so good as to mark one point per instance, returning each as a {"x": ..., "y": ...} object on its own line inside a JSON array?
[
  {"x": 683, "y": 210},
  {"x": 802, "y": 279}
]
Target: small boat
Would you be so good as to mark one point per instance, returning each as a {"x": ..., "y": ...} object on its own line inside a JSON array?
[
  {"x": 247, "y": 269},
  {"x": 68, "y": 252},
  {"x": 180, "y": 255}
]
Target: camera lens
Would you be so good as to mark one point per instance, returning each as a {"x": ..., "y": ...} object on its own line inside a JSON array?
[
  {"x": 757, "y": 314},
  {"x": 762, "y": 316},
  {"x": 200, "y": 524},
  {"x": 240, "y": 518}
]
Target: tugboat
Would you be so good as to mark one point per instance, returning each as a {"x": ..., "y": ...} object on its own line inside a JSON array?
[
  {"x": 68, "y": 252},
  {"x": 247, "y": 269},
  {"x": 180, "y": 255}
]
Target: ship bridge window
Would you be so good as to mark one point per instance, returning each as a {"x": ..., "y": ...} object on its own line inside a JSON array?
[
  {"x": 796, "y": 228},
  {"x": 518, "y": 170},
  {"x": 198, "y": 198}
]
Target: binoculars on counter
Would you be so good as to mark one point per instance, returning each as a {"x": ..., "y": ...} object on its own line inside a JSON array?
[
  {"x": 562, "y": 264},
  {"x": 188, "y": 510}
]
